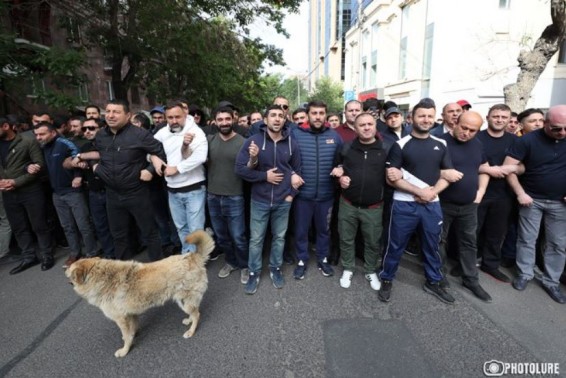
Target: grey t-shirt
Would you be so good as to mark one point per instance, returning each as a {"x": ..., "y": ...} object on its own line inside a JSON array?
[{"x": 221, "y": 159}]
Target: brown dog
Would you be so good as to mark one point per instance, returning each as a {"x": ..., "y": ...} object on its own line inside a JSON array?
[{"x": 125, "y": 289}]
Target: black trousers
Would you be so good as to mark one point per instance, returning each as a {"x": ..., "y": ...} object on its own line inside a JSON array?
[
  {"x": 493, "y": 221},
  {"x": 26, "y": 212},
  {"x": 137, "y": 205}
]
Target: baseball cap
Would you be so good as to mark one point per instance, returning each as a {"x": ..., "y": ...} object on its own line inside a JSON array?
[
  {"x": 392, "y": 110},
  {"x": 157, "y": 109},
  {"x": 463, "y": 103}
]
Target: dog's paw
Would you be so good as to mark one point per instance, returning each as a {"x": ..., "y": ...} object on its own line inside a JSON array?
[
  {"x": 121, "y": 352},
  {"x": 187, "y": 321},
  {"x": 188, "y": 334}
]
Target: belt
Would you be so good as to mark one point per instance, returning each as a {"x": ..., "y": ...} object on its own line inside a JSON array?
[
  {"x": 376, "y": 205},
  {"x": 186, "y": 189}
]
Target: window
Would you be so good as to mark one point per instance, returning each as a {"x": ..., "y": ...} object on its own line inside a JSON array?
[
  {"x": 562, "y": 52},
  {"x": 373, "y": 71},
  {"x": 504, "y": 4},
  {"x": 110, "y": 90},
  {"x": 83, "y": 92},
  {"x": 364, "y": 72},
  {"x": 403, "y": 58},
  {"x": 427, "y": 58}
]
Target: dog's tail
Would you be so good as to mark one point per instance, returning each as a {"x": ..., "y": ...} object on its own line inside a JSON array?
[{"x": 204, "y": 242}]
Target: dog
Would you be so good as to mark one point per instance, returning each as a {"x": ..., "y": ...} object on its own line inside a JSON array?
[{"x": 125, "y": 289}]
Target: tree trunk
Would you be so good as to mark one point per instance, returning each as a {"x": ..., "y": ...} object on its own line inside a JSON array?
[{"x": 532, "y": 63}]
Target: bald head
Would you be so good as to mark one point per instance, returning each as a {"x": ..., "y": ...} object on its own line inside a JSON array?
[
  {"x": 467, "y": 126},
  {"x": 555, "y": 122}
]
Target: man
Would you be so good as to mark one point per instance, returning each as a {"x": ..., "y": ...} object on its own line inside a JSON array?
[
  {"x": 243, "y": 121},
  {"x": 495, "y": 208},
  {"x": 226, "y": 196},
  {"x": 68, "y": 197},
  {"x": 347, "y": 131},
  {"x": 466, "y": 106},
  {"x": 76, "y": 133},
  {"x": 92, "y": 111},
  {"x": 271, "y": 161},
  {"x": 158, "y": 116},
  {"x": 96, "y": 188},
  {"x": 460, "y": 200},
  {"x": 514, "y": 127},
  {"x": 395, "y": 129},
  {"x": 125, "y": 176},
  {"x": 186, "y": 149},
  {"x": 361, "y": 202},
  {"x": 415, "y": 202},
  {"x": 283, "y": 103},
  {"x": 23, "y": 197},
  {"x": 319, "y": 146},
  {"x": 40, "y": 116},
  {"x": 299, "y": 116},
  {"x": 450, "y": 114},
  {"x": 255, "y": 117},
  {"x": 531, "y": 119},
  {"x": 541, "y": 194}
]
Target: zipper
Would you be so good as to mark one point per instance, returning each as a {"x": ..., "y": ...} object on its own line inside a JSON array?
[
  {"x": 275, "y": 166},
  {"x": 363, "y": 176}
]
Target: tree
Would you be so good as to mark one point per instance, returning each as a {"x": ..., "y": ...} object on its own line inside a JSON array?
[
  {"x": 330, "y": 92},
  {"x": 532, "y": 63}
]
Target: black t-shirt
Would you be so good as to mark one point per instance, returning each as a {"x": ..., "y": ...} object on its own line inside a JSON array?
[
  {"x": 467, "y": 158},
  {"x": 545, "y": 165},
  {"x": 423, "y": 158},
  {"x": 495, "y": 150}
]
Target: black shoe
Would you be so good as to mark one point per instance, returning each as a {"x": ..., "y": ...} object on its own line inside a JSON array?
[
  {"x": 444, "y": 283},
  {"x": 497, "y": 274},
  {"x": 520, "y": 283},
  {"x": 288, "y": 259},
  {"x": 456, "y": 271},
  {"x": 24, "y": 265},
  {"x": 384, "y": 293},
  {"x": 439, "y": 292},
  {"x": 507, "y": 262},
  {"x": 215, "y": 254},
  {"x": 47, "y": 263},
  {"x": 555, "y": 293},
  {"x": 478, "y": 291}
]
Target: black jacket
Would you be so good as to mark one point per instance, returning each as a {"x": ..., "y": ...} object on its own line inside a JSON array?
[
  {"x": 124, "y": 155},
  {"x": 365, "y": 165}
]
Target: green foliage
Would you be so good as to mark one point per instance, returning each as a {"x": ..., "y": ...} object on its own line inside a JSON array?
[{"x": 330, "y": 92}]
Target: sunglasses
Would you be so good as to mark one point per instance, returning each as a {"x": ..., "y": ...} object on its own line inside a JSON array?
[
  {"x": 284, "y": 107},
  {"x": 89, "y": 128},
  {"x": 557, "y": 129}
]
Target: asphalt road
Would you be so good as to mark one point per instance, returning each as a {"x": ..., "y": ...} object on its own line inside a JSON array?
[{"x": 310, "y": 328}]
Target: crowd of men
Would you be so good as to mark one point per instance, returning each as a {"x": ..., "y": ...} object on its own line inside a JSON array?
[{"x": 379, "y": 185}]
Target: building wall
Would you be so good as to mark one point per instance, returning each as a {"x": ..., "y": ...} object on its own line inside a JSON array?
[{"x": 449, "y": 50}]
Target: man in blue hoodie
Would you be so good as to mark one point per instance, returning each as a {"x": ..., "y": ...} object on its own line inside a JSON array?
[
  {"x": 271, "y": 161},
  {"x": 319, "y": 145}
]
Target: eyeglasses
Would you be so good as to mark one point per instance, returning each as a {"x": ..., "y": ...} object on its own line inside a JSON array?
[
  {"x": 89, "y": 128},
  {"x": 554, "y": 129},
  {"x": 282, "y": 106}
]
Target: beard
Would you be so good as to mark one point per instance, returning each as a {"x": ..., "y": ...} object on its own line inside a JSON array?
[
  {"x": 226, "y": 129},
  {"x": 175, "y": 128}
]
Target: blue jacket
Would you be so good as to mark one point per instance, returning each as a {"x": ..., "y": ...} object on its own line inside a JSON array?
[
  {"x": 256, "y": 127},
  {"x": 318, "y": 156},
  {"x": 54, "y": 153},
  {"x": 284, "y": 155}
]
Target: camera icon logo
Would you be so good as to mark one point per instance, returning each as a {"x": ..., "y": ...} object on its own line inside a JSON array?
[{"x": 493, "y": 368}]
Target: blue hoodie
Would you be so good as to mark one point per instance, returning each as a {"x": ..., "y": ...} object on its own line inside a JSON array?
[{"x": 283, "y": 154}]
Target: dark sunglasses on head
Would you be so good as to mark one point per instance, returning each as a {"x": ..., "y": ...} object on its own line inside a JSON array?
[
  {"x": 284, "y": 107},
  {"x": 89, "y": 128}
]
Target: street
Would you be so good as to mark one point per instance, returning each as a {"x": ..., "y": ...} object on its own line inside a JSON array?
[{"x": 310, "y": 328}]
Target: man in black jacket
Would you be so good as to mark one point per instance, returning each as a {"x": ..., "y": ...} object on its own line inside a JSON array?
[{"x": 123, "y": 166}]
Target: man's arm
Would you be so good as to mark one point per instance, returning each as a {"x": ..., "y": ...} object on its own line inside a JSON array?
[
  {"x": 513, "y": 180},
  {"x": 36, "y": 157},
  {"x": 483, "y": 181}
]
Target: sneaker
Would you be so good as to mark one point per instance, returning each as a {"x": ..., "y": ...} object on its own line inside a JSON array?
[
  {"x": 520, "y": 283},
  {"x": 439, "y": 292},
  {"x": 373, "y": 281},
  {"x": 444, "y": 283},
  {"x": 226, "y": 270},
  {"x": 215, "y": 254},
  {"x": 288, "y": 258},
  {"x": 300, "y": 270},
  {"x": 478, "y": 291},
  {"x": 346, "y": 279},
  {"x": 70, "y": 261},
  {"x": 253, "y": 282},
  {"x": 325, "y": 268},
  {"x": 384, "y": 293},
  {"x": 497, "y": 274},
  {"x": 555, "y": 293},
  {"x": 276, "y": 277},
  {"x": 244, "y": 276}
]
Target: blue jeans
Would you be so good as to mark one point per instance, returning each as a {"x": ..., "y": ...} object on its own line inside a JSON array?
[
  {"x": 261, "y": 213},
  {"x": 554, "y": 213},
  {"x": 97, "y": 203},
  {"x": 187, "y": 211},
  {"x": 305, "y": 212},
  {"x": 229, "y": 224},
  {"x": 74, "y": 216},
  {"x": 406, "y": 218}
]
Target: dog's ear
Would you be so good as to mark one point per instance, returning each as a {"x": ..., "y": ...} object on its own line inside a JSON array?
[{"x": 80, "y": 270}]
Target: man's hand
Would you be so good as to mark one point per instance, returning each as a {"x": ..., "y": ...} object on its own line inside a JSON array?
[
  {"x": 188, "y": 138},
  {"x": 425, "y": 195},
  {"x": 253, "y": 150},
  {"x": 451, "y": 175},
  {"x": 170, "y": 171},
  {"x": 145, "y": 175},
  {"x": 7, "y": 185},
  {"x": 345, "y": 182},
  {"x": 525, "y": 200},
  {"x": 274, "y": 177},
  {"x": 33, "y": 169},
  {"x": 296, "y": 181},
  {"x": 337, "y": 172},
  {"x": 289, "y": 198},
  {"x": 77, "y": 182},
  {"x": 394, "y": 174}
]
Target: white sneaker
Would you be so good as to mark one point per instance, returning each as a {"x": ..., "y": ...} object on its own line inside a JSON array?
[
  {"x": 244, "y": 276},
  {"x": 346, "y": 279},
  {"x": 226, "y": 270},
  {"x": 373, "y": 281}
]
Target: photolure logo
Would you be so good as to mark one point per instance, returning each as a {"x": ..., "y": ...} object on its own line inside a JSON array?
[{"x": 495, "y": 368}]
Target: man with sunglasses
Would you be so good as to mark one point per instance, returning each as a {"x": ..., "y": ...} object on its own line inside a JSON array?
[
  {"x": 282, "y": 103},
  {"x": 541, "y": 193}
]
